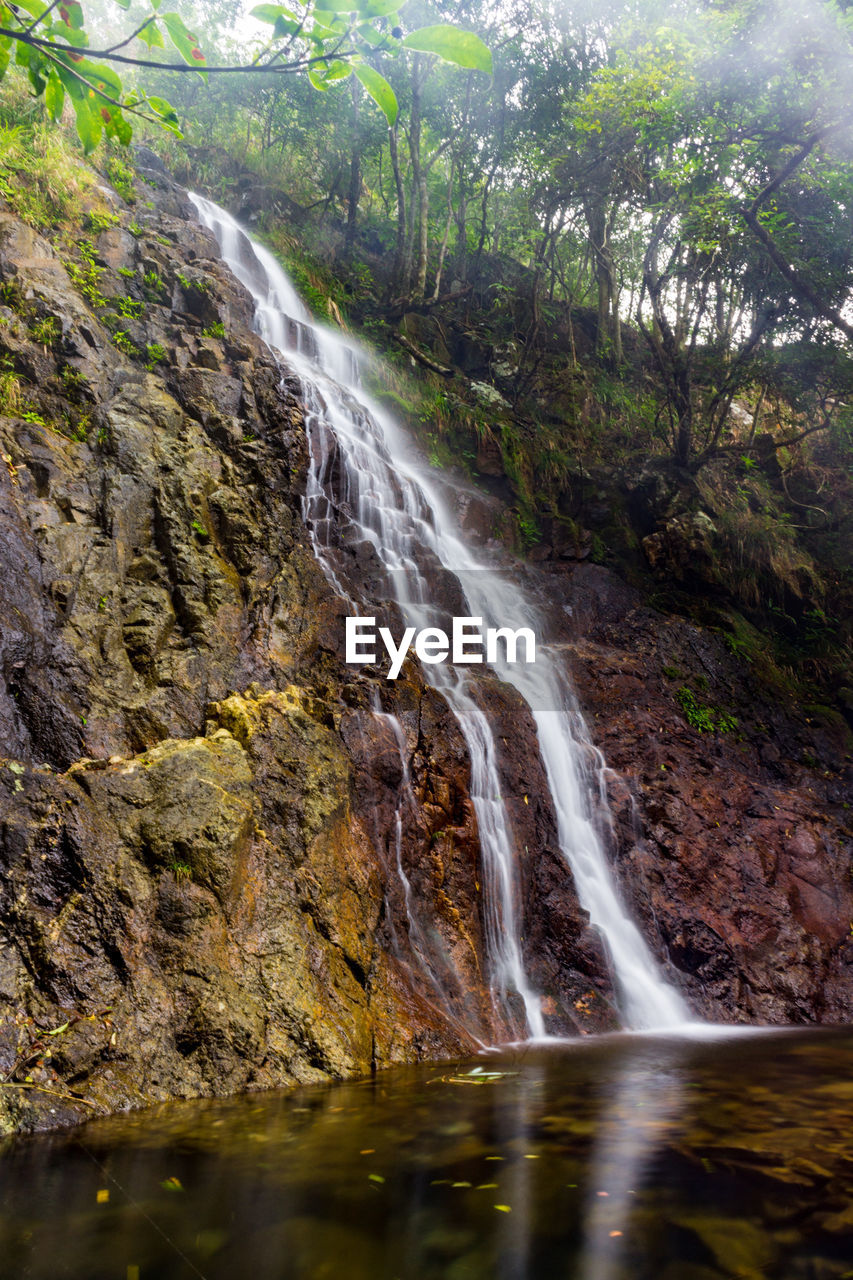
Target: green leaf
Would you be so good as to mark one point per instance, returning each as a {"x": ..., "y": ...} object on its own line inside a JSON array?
[
  {"x": 324, "y": 74},
  {"x": 34, "y": 71},
  {"x": 71, "y": 13},
  {"x": 33, "y": 7},
  {"x": 271, "y": 13},
  {"x": 284, "y": 27},
  {"x": 102, "y": 78},
  {"x": 328, "y": 24},
  {"x": 164, "y": 109},
  {"x": 185, "y": 42},
  {"x": 377, "y": 8},
  {"x": 152, "y": 36},
  {"x": 338, "y": 70},
  {"x": 123, "y": 4},
  {"x": 54, "y": 96},
  {"x": 90, "y": 126},
  {"x": 460, "y": 47},
  {"x": 371, "y": 35},
  {"x": 116, "y": 126},
  {"x": 379, "y": 89},
  {"x": 77, "y": 39},
  {"x": 167, "y": 116}
]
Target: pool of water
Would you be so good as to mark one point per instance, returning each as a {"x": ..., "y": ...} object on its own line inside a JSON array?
[{"x": 619, "y": 1158}]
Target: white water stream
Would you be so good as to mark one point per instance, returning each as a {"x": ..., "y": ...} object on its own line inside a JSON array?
[{"x": 365, "y": 487}]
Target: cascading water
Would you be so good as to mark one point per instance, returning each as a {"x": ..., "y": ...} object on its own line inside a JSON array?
[{"x": 363, "y": 485}]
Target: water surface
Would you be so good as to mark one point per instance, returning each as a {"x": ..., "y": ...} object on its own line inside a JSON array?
[{"x": 619, "y": 1158}]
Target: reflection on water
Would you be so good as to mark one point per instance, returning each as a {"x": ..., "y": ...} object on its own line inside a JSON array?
[
  {"x": 641, "y": 1102},
  {"x": 623, "y": 1158}
]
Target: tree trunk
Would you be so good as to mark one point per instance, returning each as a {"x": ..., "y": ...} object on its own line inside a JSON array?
[
  {"x": 400, "y": 247},
  {"x": 608, "y": 335},
  {"x": 442, "y": 253},
  {"x": 415, "y": 155},
  {"x": 354, "y": 174},
  {"x": 423, "y": 235},
  {"x": 460, "y": 253}
]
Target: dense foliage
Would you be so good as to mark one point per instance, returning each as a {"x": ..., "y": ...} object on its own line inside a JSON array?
[
  {"x": 683, "y": 168},
  {"x": 329, "y": 43},
  {"x": 605, "y": 231}
]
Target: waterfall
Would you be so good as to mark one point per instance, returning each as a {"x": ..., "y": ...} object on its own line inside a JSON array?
[{"x": 364, "y": 486}]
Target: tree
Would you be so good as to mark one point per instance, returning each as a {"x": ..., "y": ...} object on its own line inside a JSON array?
[
  {"x": 708, "y": 158},
  {"x": 328, "y": 42}
]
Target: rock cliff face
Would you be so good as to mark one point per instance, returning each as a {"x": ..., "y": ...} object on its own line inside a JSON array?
[
  {"x": 732, "y": 833},
  {"x": 193, "y": 889},
  {"x": 202, "y": 818}
]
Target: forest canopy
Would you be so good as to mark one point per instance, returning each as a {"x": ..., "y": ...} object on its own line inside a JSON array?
[{"x": 680, "y": 169}]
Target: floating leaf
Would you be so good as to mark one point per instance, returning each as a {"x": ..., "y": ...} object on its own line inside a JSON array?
[
  {"x": 375, "y": 1177},
  {"x": 502, "y": 1208},
  {"x": 172, "y": 1184}
]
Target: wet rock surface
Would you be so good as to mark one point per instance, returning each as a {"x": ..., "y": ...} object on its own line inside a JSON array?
[
  {"x": 732, "y": 840},
  {"x": 195, "y": 897},
  {"x": 221, "y": 868}
]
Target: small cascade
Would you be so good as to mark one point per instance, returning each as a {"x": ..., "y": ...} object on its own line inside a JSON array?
[{"x": 366, "y": 490}]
